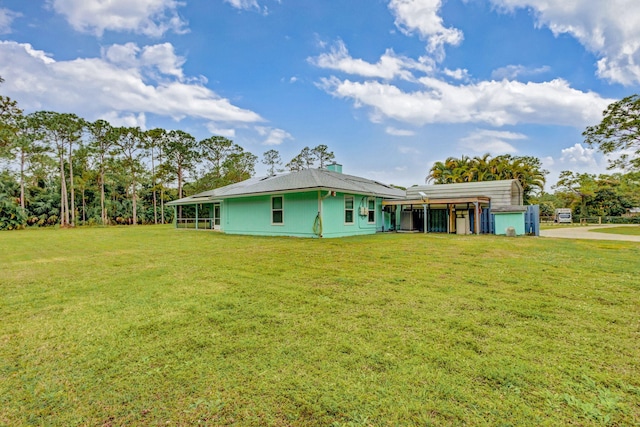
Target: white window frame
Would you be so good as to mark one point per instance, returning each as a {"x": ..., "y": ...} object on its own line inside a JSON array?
[
  {"x": 369, "y": 200},
  {"x": 275, "y": 210},
  {"x": 353, "y": 205}
]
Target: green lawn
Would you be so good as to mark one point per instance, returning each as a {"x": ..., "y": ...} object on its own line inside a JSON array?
[
  {"x": 156, "y": 326},
  {"x": 629, "y": 231}
]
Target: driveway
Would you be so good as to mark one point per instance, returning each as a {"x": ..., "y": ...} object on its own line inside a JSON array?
[{"x": 586, "y": 233}]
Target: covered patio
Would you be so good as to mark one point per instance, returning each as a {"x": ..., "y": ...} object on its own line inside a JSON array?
[{"x": 461, "y": 215}]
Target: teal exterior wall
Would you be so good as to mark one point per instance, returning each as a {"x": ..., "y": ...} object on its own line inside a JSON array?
[
  {"x": 252, "y": 215},
  {"x": 510, "y": 219},
  {"x": 333, "y": 216}
]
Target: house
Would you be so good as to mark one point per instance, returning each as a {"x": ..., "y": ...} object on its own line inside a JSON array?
[
  {"x": 464, "y": 208},
  {"x": 307, "y": 203}
]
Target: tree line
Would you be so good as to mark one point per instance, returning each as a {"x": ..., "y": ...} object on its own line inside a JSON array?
[
  {"x": 60, "y": 169},
  {"x": 588, "y": 195}
]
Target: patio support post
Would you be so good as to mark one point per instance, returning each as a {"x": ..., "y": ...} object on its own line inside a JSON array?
[
  {"x": 424, "y": 211},
  {"x": 448, "y": 219},
  {"x": 196, "y": 216},
  {"x": 476, "y": 217}
]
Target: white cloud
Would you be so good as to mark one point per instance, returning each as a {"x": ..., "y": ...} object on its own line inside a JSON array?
[
  {"x": 491, "y": 102},
  {"x": 388, "y": 67},
  {"x": 610, "y": 29},
  {"x": 579, "y": 156},
  {"x": 512, "y": 72},
  {"x": 117, "y": 83},
  {"x": 399, "y": 132},
  {"x": 422, "y": 16},
  {"x": 127, "y": 119},
  {"x": 159, "y": 59},
  {"x": 6, "y": 19},
  {"x": 274, "y": 136},
  {"x": 491, "y": 141},
  {"x": 149, "y": 17},
  {"x": 215, "y": 130},
  {"x": 244, "y": 4},
  {"x": 457, "y": 74}
]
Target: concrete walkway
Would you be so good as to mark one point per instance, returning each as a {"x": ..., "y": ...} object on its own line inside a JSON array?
[{"x": 585, "y": 232}]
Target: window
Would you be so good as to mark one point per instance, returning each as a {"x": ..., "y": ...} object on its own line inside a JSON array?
[
  {"x": 348, "y": 209},
  {"x": 372, "y": 209},
  {"x": 277, "y": 212}
]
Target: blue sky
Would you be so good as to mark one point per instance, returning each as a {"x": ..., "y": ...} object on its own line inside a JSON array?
[{"x": 390, "y": 86}]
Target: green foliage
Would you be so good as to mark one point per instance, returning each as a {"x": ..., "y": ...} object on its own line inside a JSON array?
[
  {"x": 526, "y": 169},
  {"x": 12, "y": 216},
  {"x": 273, "y": 160},
  {"x": 155, "y": 326},
  {"x": 308, "y": 157},
  {"x": 619, "y": 131},
  {"x": 604, "y": 195}
]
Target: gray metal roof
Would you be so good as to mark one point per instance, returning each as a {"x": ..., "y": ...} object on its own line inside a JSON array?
[
  {"x": 304, "y": 180},
  {"x": 506, "y": 192}
]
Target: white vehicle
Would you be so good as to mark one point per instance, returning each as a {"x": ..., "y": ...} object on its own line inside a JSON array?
[{"x": 563, "y": 216}]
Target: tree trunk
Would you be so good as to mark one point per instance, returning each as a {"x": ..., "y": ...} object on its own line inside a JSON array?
[
  {"x": 153, "y": 184},
  {"x": 161, "y": 192},
  {"x": 64, "y": 206},
  {"x": 103, "y": 212},
  {"x": 72, "y": 190},
  {"x": 22, "y": 162},
  {"x": 133, "y": 198}
]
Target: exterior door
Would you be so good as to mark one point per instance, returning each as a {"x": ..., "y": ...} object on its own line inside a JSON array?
[{"x": 216, "y": 216}]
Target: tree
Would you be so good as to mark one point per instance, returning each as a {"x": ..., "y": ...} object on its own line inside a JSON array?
[
  {"x": 181, "y": 155},
  {"x": 216, "y": 150},
  {"x": 583, "y": 185},
  {"x": 239, "y": 166},
  {"x": 59, "y": 130},
  {"x": 11, "y": 215},
  {"x": 128, "y": 143},
  {"x": 618, "y": 131},
  {"x": 323, "y": 155},
  {"x": 102, "y": 136},
  {"x": 9, "y": 114},
  {"x": 526, "y": 169},
  {"x": 308, "y": 157},
  {"x": 296, "y": 164},
  {"x": 153, "y": 140},
  {"x": 273, "y": 160}
]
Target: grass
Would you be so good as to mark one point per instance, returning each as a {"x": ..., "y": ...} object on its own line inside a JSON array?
[
  {"x": 628, "y": 231},
  {"x": 156, "y": 326}
]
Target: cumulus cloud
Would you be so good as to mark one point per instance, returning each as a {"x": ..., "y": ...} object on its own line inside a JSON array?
[
  {"x": 158, "y": 60},
  {"x": 610, "y": 29},
  {"x": 579, "y": 156},
  {"x": 273, "y": 136},
  {"x": 6, "y": 19},
  {"x": 496, "y": 103},
  {"x": 388, "y": 67},
  {"x": 118, "y": 83},
  {"x": 399, "y": 132},
  {"x": 422, "y": 16},
  {"x": 149, "y": 17},
  {"x": 491, "y": 141}
]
